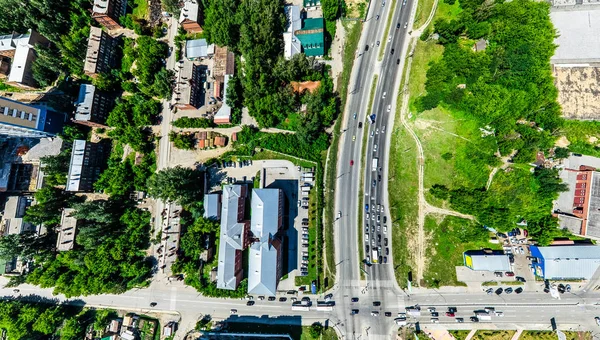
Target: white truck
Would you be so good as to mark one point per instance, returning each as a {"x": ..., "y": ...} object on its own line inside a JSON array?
[
  {"x": 483, "y": 316},
  {"x": 375, "y": 255},
  {"x": 375, "y": 161}
]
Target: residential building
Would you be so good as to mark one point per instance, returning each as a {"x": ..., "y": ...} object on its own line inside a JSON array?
[
  {"x": 28, "y": 121},
  {"x": 223, "y": 62},
  {"x": 312, "y": 4},
  {"x": 189, "y": 18},
  {"x": 568, "y": 262},
  {"x": 212, "y": 206},
  {"x": 234, "y": 236},
  {"x": 189, "y": 91},
  {"x": 12, "y": 222},
  {"x": 100, "y": 56},
  {"x": 66, "y": 232},
  {"x": 578, "y": 208},
  {"x": 312, "y": 37},
  {"x": 266, "y": 255},
  {"x": 198, "y": 49},
  {"x": 294, "y": 23},
  {"x": 88, "y": 160},
  {"x": 108, "y": 12},
  {"x": 17, "y": 54},
  {"x": 223, "y": 115},
  {"x": 487, "y": 260},
  {"x": 92, "y": 106}
]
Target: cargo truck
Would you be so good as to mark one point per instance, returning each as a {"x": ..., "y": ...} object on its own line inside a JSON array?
[
  {"x": 375, "y": 256},
  {"x": 374, "y": 167}
]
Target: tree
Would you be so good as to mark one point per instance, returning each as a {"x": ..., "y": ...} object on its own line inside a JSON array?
[
  {"x": 316, "y": 329},
  {"x": 182, "y": 185},
  {"x": 47, "y": 322},
  {"x": 56, "y": 168},
  {"x": 172, "y": 6},
  {"x": 331, "y": 9},
  {"x": 560, "y": 153},
  {"x": 72, "y": 329},
  {"x": 221, "y": 23},
  {"x": 439, "y": 191}
]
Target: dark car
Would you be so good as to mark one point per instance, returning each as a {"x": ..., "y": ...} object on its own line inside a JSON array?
[
  {"x": 282, "y": 299},
  {"x": 153, "y": 304},
  {"x": 367, "y": 248},
  {"x": 250, "y": 303},
  {"x": 519, "y": 290},
  {"x": 392, "y": 51},
  {"x": 354, "y": 312},
  {"x": 385, "y": 242},
  {"x": 379, "y": 238},
  {"x": 384, "y": 219},
  {"x": 474, "y": 319},
  {"x": 376, "y": 303},
  {"x": 385, "y": 259},
  {"x": 508, "y": 290},
  {"x": 520, "y": 279},
  {"x": 511, "y": 258},
  {"x": 366, "y": 48},
  {"x": 360, "y": 125},
  {"x": 452, "y": 309},
  {"x": 387, "y": 251},
  {"x": 435, "y": 314},
  {"x": 366, "y": 207},
  {"x": 499, "y": 291},
  {"x": 374, "y": 183},
  {"x": 397, "y": 61},
  {"x": 501, "y": 235},
  {"x": 272, "y": 298},
  {"x": 380, "y": 259},
  {"x": 354, "y": 299},
  {"x": 397, "y": 25},
  {"x": 379, "y": 178},
  {"x": 306, "y": 298},
  {"x": 388, "y": 314},
  {"x": 561, "y": 288}
]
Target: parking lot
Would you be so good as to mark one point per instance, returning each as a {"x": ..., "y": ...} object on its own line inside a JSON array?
[{"x": 289, "y": 178}]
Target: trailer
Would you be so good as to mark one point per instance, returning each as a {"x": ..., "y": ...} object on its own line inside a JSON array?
[{"x": 374, "y": 166}]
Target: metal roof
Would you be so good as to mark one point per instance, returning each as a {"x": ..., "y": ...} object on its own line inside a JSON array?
[
  {"x": 76, "y": 165},
  {"x": 212, "y": 206},
  {"x": 264, "y": 255},
  {"x": 190, "y": 11},
  {"x": 489, "y": 262},
  {"x": 196, "y": 49},
  {"x": 223, "y": 115},
  {"x": 83, "y": 105},
  {"x": 291, "y": 43},
  {"x": 231, "y": 235},
  {"x": 66, "y": 233},
  {"x": 578, "y": 35},
  {"x": 568, "y": 262},
  {"x": 312, "y": 37}
]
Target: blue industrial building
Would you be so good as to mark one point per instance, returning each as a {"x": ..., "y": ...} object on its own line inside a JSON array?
[{"x": 569, "y": 262}]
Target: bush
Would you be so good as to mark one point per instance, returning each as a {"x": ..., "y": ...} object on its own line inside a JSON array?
[
  {"x": 197, "y": 123},
  {"x": 182, "y": 140}
]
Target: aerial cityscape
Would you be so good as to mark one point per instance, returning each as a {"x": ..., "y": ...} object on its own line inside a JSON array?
[{"x": 300, "y": 169}]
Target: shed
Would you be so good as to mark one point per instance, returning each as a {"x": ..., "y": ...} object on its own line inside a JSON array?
[
  {"x": 196, "y": 49},
  {"x": 489, "y": 261}
]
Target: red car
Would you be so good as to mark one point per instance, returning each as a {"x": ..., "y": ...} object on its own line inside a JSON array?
[
  {"x": 351, "y": 162},
  {"x": 450, "y": 314},
  {"x": 509, "y": 274}
]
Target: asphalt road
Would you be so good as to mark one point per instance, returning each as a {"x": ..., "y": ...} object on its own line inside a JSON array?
[{"x": 380, "y": 284}]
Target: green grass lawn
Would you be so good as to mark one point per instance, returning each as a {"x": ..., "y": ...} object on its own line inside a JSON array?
[
  {"x": 448, "y": 239},
  {"x": 403, "y": 189},
  {"x": 459, "y": 334},
  {"x": 8, "y": 88},
  {"x": 493, "y": 335},
  {"x": 140, "y": 11},
  {"x": 549, "y": 335},
  {"x": 328, "y": 334}
]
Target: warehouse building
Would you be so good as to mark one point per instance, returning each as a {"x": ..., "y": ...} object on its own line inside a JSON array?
[
  {"x": 571, "y": 262},
  {"x": 488, "y": 260}
]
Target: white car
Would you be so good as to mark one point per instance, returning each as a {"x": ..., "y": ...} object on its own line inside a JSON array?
[
  {"x": 597, "y": 321},
  {"x": 383, "y": 129},
  {"x": 367, "y": 237},
  {"x": 435, "y": 320},
  {"x": 374, "y": 313},
  {"x": 390, "y": 38},
  {"x": 384, "y": 95},
  {"x": 431, "y": 309},
  {"x": 389, "y": 108},
  {"x": 367, "y": 216},
  {"x": 372, "y": 133},
  {"x": 385, "y": 229},
  {"x": 339, "y": 214},
  {"x": 375, "y": 148},
  {"x": 377, "y": 131}
]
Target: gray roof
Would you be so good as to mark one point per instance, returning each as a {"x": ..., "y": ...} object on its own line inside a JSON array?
[
  {"x": 190, "y": 11},
  {"x": 76, "y": 165},
  {"x": 264, "y": 224},
  {"x": 196, "y": 49},
  {"x": 66, "y": 233},
  {"x": 564, "y": 262},
  {"x": 212, "y": 206},
  {"x": 231, "y": 235},
  {"x": 593, "y": 217},
  {"x": 490, "y": 262},
  {"x": 224, "y": 111},
  {"x": 83, "y": 105},
  {"x": 14, "y": 210},
  {"x": 578, "y": 37},
  {"x": 294, "y": 22}
]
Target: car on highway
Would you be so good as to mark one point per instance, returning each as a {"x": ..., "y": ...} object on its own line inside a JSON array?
[
  {"x": 392, "y": 52},
  {"x": 568, "y": 288},
  {"x": 360, "y": 125},
  {"x": 385, "y": 241},
  {"x": 368, "y": 258},
  {"x": 385, "y": 229},
  {"x": 374, "y": 147},
  {"x": 374, "y": 313},
  {"x": 306, "y": 299},
  {"x": 435, "y": 314},
  {"x": 367, "y": 248},
  {"x": 388, "y": 314},
  {"x": 389, "y": 106},
  {"x": 474, "y": 319},
  {"x": 355, "y": 112},
  {"x": 379, "y": 178},
  {"x": 250, "y": 303},
  {"x": 385, "y": 259},
  {"x": 435, "y": 320},
  {"x": 376, "y": 303},
  {"x": 354, "y": 312},
  {"x": 372, "y": 133},
  {"x": 374, "y": 183},
  {"x": 377, "y": 42},
  {"x": 351, "y": 162},
  {"x": 339, "y": 215},
  {"x": 519, "y": 290},
  {"x": 383, "y": 129},
  {"x": 233, "y": 311},
  {"x": 460, "y": 320},
  {"x": 354, "y": 299},
  {"x": 153, "y": 304},
  {"x": 387, "y": 251},
  {"x": 377, "y": 17},
  {"x": 397, "y": 61},
  {"x": 378, "y": 218},
  {"x": 353, "y": 138},
  {"x": 383, "y": 96},
  {"x": 405, "y": 25},
  {"x": 377, "y": 131},
  {"x": 366, "y": 207},
  {"x": 450, "y": 314},
  {"x": 367, "y": 217},
  {"x": 367, "y": 237},
  {"x": 431, "y": 309}
]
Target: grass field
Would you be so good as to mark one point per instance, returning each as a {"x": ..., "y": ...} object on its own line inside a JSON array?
[
  {"x": 493, "y": 335},
  {"x": 549, "y": 335},
  {"x": 449, "y": 238},
  {"x": 459, "y": 334},
  {"x": 328, "y": 334},
  {"x": 140, "y": 11}
]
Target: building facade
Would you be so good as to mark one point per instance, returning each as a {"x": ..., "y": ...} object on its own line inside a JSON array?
[
  {"x": 566, "y": 262},
  {"x": 108, "y": 12},
  {"x": 93, "y": 106},
  {"x": 88, "y": 160},
  {"x": 100, "y": 55},
  {"x": 28, "y": 121}
]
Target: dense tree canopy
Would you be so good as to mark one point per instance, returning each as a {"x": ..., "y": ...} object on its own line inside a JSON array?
[{"x": 176, "y": 184}]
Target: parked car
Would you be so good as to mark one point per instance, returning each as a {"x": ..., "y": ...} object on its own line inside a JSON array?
[
  {"x": 385, "y": 241},
  {"x": 354, "y": 299},
  {"x": 250, "y": 303},
  {"x": 519, "y": 290},
  {"x": 510, "y": 274},
  {"x": 520, "y": 279},
  {"x": 508, "y": 290},
  {"x": 474, "y": 319},
  {"x": 499, "y": 291}
]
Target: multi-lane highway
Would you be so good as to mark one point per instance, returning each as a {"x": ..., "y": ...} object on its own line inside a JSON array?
[{"x": 379, "y": 284}]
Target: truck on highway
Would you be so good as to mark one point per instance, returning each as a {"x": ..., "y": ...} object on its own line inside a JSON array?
[
  {"x": 375, "y": 255},
  {"x": 483, "y": 316},
  {"x": 374, "y": 167},
  {"x": 413, "y": 311}
]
